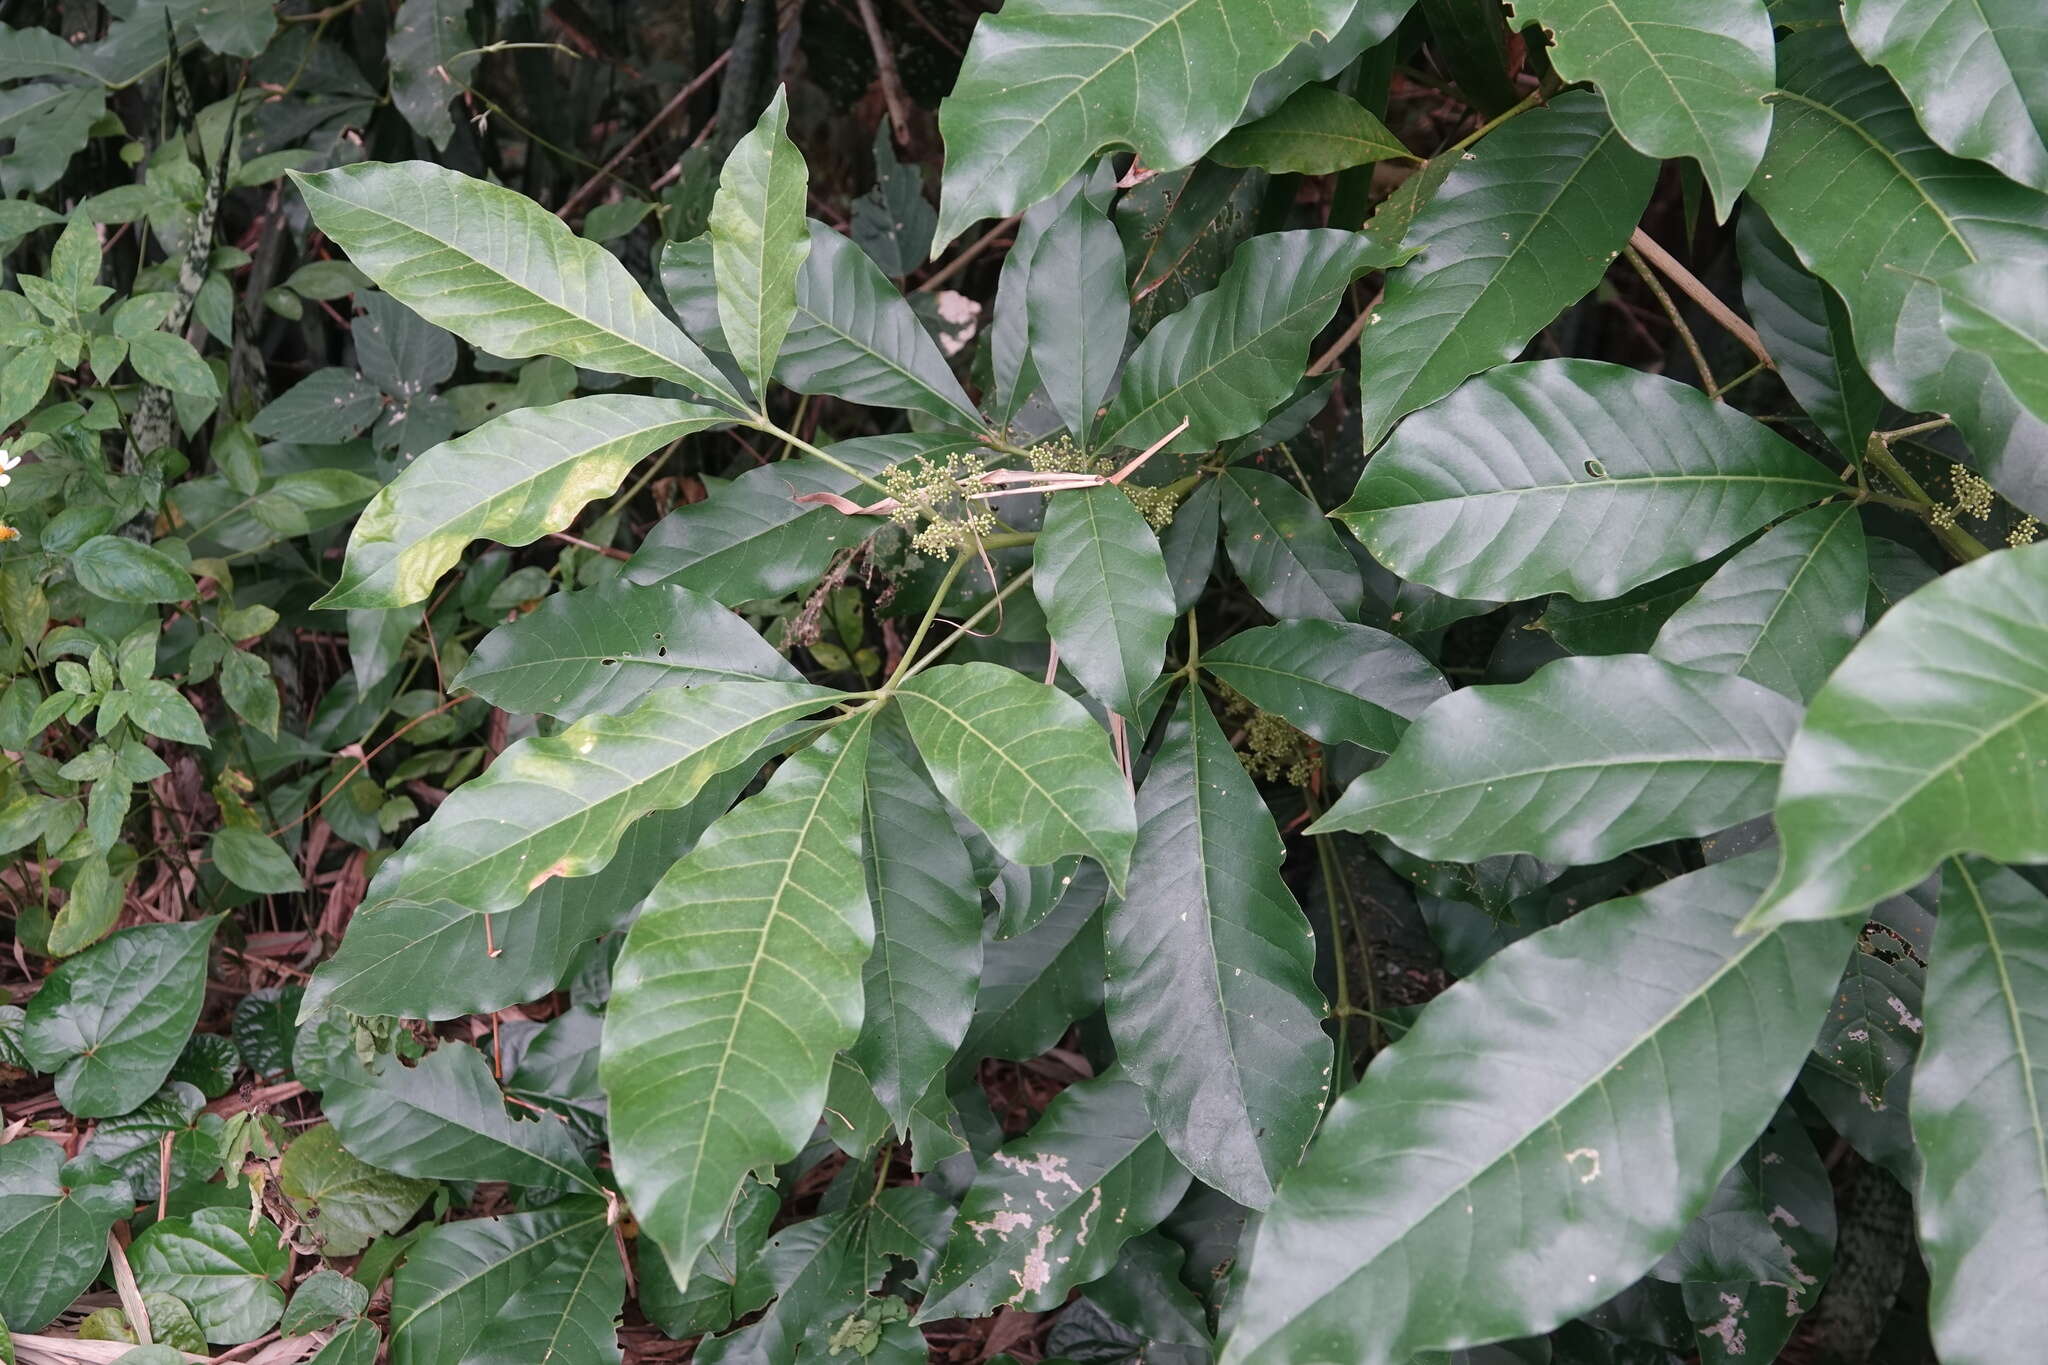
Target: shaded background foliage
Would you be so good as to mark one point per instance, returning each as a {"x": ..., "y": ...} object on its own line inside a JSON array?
[{"x": 208, "y": 773}]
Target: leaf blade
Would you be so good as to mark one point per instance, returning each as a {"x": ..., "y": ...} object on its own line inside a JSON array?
[
  {"x": 1101, "y": 580},
  {"x": 759, "y": 242}
]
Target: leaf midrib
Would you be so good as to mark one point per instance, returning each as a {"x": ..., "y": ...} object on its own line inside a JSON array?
[{"x": 485, "y": 1267}]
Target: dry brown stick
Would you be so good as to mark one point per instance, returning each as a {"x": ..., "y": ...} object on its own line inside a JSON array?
[
  {"x": 959, "y": 263},
  {"x": 589, "y": 187},
  {"x": 885, "y": 70},
  {"x": 1346, "y": 337},
  {"x": 1690, "y": 286}
]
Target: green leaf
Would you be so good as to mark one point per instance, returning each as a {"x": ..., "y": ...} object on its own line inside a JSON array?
[
  {"x": 123, "y": 570},
  {"x": 345, "y": 1201},
  {"x": 919, "y": 981},
  {"x": 1565, "y": 190},
  {"x": 1234, "y": 354},
  {"x": 355, "y": 1344},
  {"x": 131, "y": 1144},
  {"x": 1316, "y": 132},
  {"x": 1877, "y": 211},
  {"x": 53, "y": 1220},
  {"x": 1342, "y": 683},
  {"x": 1285, "y": 551},
  {"x": 1557, "y": 1137},
  {"x": 226, "y": 1272},
  {"x": 512, "y": 480},
  {"x": 1805, "y": 325},
  {"x": 822, "y": 1270},
  {"x": 752, "y": 539},
  {"x": 1057, "y": 1204},
  {"x": 1102, "y": 583},
  {"x": 1212, "y": 996},
  {"x": 1784, "y": 611},
  {"x": 432, "y": 55},
  {"x": 569, "y": 1312},
  {"x": 1589, "y": 758},
  {"x": 1627, "y": 624},
  {"x": 1497, "y": 491},
  {"x": 2000, "y": 311},
  {"x": 1680, "y": 79},
  {"x": 1189, "y": 544},
  {"x": 856, "y": 338},
  {"x": 713, "y": 1299},
  {"x": 111, "y": 1021},
  {"x": 264, "y": 1032},
  {"x": 1077, "y": 311},
  {"x": 499, "y": 271},
  {"x": 253, "y": 861},
  {"x": 461, "y": 1276},
  {"x": 1974, "y": 71},
  {"x": 557, "y": 805},
  {"x": 1047, "y": 85},
  {"x": 1927, "y": 741},
  {"x": 445, "y": 1119},
  {"x": 1033, "y": 987},
  {"x": 739, "y": 981},
  {"x": 325, "y": 407},
  {"x": 1978, "y": 1115},
  {"x": 605, "y": 648},
  {"x": 90, "y": 910},
  {"x": 759, "y": 241},
  {"x": 434, "y": 960},
  {"x": 322, "y": 1299},
  {"x": 208, "y": 1063},
  {"x": 1023, "y": 761},
  {"x": 170, "y": 362},
  {"x": 161, "y": 710}
]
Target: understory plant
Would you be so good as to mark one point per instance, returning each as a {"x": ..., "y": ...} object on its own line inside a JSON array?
[{"x": 1356, "y": 763}]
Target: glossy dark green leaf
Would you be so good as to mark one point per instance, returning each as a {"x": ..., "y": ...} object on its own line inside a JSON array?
[
  {"x": 713, "y": 1299},
  {"x": 1805, "y": 325},
  {"x": 459, "y": 1278},
  {"x": 1930, "y": 739},
  {"x": 1974, "y": 71},
  {"x": 1188, "y": 544},
  {"x": 1049, "y": 84},
  {"x": 1285, "y": 551},
  {"x": 1680, "y": 79},
  {"x": 1784, "y": 611},
  {"x": 1978, "y": 1115},
  {"x": 740, "y": 980},
  {"x": 1576, "y": 1165},
  {"x": 322, "y": 1299},
  {"x": 1318, "y": 131},
  {"x": 264, "y": 1030},
  {"x": 224, "y": 1270},
  {"x": 855, "y": 338},
  {"x": 1102, "y": 583},
  {"x": 131, "y": 1144},
  {"x": 1342, "y": 683},
  {"x": 436, "y": 960},
  {"x": 1627, "y": 624},
  {"x": 919, "y": 980},
  {"x": 1035, "y": 985},
  {"x": 759, "y": 241},
  {"x": 512, "y": 480},
  {"x": 208, "y": 1064},
  {"x": 1588, "y": 759},
  {"x": 500, "y": 271},
  {"x": 111, "y": 1021},
  {"x": 1076, "y": 312},
  {"x": 123, "y": 570},
  {"x": 1234, "y": 354},
  {"x": 53, "y": 1221},
  {"x": 821, "y": 1271},
  {"x": 557, "y": 805},
  {"x": 1212, "y": 996},
  {"x": 444, "y": 1118},
  {"x": 355, "y": 1344},
  {"x": 1053, "y": 1207},
  {"x": 569, "y": 1312},
  {"x": 1497, "y": 491},
  {"x": 1523, "y": 227},
  {"x": 1023, "y": 761},
  {"x": 345, "y": 1201},
  {"x": 2000, "y": 310},
  {"x": 605, "y": 648},
  {"x": 1877, "y": 211},
  {"x": 752, "y": 539}
]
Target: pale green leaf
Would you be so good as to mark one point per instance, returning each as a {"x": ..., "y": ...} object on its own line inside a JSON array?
[
  {"x": 759, "y": 241},
  {"x": 223, "y": 1268},
  {"x": 345, "y": 1201}
]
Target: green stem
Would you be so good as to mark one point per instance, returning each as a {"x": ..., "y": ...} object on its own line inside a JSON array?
[
  {"x": 1877, "y": 451},
  {"x": 1529, "y": 101},
  {"x": 931, "y": 614},
  {"x": 964, "y": 628}
]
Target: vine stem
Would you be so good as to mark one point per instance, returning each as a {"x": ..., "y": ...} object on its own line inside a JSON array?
[
  {"x": 1522, "y": 106},
  {"x": 966, "y": 627},
  {"x": 1677, "y": 320},
  {"x": 1690, "y": 286}
]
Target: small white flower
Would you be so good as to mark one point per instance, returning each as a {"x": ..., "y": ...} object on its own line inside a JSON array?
[{"x": 7, "y": 462}]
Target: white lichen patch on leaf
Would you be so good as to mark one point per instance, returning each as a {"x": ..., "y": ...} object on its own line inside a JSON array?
[
  {"x": 1906, "y": 1016},
  {"x": 1590, "y": 1170},
  {"x": 1002, "y": 1224},
  {"x": 1049, "y": 1167},
  {"x": 1037, "y": 1271}
]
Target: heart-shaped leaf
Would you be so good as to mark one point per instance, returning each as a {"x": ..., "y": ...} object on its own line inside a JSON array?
[{"x": 53, "y": 1219}]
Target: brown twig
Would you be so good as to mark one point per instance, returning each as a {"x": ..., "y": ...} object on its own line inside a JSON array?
[
  {"x": 681, "y": 97},
  {"x": 893, "y": 93},
  {"x": 1346, "y": 337},
  {"x": 975, "y": 248},
  {"x": 1690, "y": 286}
]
